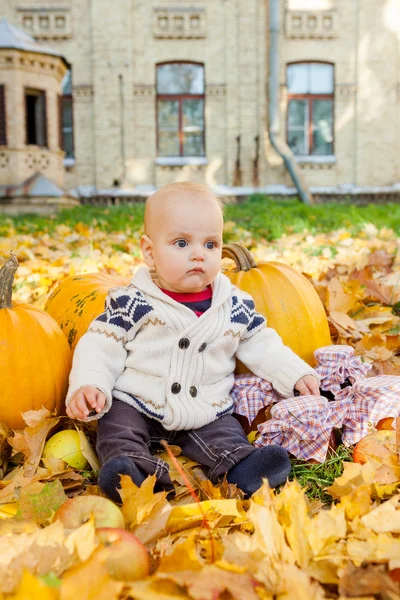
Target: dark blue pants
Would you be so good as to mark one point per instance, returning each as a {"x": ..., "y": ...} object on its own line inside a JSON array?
[{"x": 219, "y": 446}]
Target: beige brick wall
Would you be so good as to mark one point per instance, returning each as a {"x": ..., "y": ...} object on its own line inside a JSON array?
[
  {"x": 365, "y": 51},
  {"x": 114, "y": 50},
  {"x": 20, "y": 70}
]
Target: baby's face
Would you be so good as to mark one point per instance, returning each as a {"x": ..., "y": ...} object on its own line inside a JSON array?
[{"x": 185, "y": 244}]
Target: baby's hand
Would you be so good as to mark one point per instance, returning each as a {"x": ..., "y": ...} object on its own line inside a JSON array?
[
  {"x": 307, "y": 385},
  {"x": 87, "y": 396}
]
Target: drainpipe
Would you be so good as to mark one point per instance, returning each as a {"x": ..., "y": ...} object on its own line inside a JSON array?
[{"x": 273, "y": 111}]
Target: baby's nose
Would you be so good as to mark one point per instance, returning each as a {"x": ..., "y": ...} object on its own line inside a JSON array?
[{"x": 198, "y": 253}]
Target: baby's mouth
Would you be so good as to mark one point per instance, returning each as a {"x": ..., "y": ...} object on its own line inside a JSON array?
[{"x": 196, "y": 270}]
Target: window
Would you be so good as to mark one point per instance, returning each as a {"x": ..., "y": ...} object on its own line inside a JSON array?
[
  {"x": 66, "y": 117},
  {"x": 35, "y": 117},
  {"x": 3, "y": 125},
  {"x": 310, "y": 108},
  {"x": 180, "y": 109}
]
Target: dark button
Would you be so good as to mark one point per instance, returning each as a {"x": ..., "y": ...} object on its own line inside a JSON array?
[
  {"x": 203, "y": 347},
  {"x": 175, "y": 388},
  {"x": 184, "y": 343},
  {"x": 193, "y": 391}
]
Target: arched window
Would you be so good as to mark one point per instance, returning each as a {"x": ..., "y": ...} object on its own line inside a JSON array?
[
  {"x": 310, "y": 108},
  {"x": 180, "y": 109}
]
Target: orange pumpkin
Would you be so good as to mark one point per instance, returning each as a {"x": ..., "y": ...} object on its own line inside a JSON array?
[
  {"x": 76, "y": 301},
  {"x": 285, "y": 297},
  {"x": 35, "y": 356}
]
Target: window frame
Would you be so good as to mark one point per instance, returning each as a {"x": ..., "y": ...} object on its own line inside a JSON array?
[
  {"x": 180, "y": 98},
  {"x": 3, "y": 115},
  {"x": 62, "y": 98},
  {"x": 39, "y": 93},
  {"x": 309, "y": 99}
]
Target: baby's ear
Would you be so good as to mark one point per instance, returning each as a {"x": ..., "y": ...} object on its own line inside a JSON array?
[{"x": 146, "y": 246}]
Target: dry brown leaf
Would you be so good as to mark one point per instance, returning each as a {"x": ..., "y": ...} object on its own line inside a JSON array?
[
  {"x": 368, "y": 580},
  {"x": 338, "y": 299},
  {"x": 30, "y": 441}
]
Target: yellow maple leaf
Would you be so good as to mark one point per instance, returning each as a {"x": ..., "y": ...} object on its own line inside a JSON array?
[
  {"x": 357, "y": 502},
  {"x": 353, "y": 475},
  {"x": 269, "y": 536},
  {"x": 326, "y": 527},
  {"x": 89, "y": 580},
  {"x": 82, "y": 540},
  {"x": 33, "y": 588},
  {"x": 183, "y": 557},
  {"x": 188, "y": 515},
  {"x": 384, "y": 518},
  {"x": 293, "y": 514}
]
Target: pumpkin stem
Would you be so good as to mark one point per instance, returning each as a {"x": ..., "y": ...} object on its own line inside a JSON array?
[
  {"x": 240, "y": 255},
  {"x": 7, "y": 273}
]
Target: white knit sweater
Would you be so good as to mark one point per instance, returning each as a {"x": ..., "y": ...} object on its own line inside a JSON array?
[{"x": 158, "y": 356}]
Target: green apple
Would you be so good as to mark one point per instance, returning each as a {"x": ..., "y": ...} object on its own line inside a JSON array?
[{"x": 66, "y": 446}]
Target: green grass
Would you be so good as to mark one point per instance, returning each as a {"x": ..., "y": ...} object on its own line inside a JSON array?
[
  {"x": 265, "y": 218},
  {"x": 269, "y": 219},
  {"x": 314, "y": 478}
]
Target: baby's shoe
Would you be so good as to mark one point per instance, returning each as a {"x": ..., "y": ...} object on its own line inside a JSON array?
[
  {"x": 270, "y": 462},
  {"x": 109, "y": 476}
]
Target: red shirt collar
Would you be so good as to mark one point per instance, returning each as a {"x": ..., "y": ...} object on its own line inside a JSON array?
[{"x": 195, "y": 297}]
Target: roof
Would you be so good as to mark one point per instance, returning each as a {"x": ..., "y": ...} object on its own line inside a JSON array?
[
  {"x": 36, "y": 186},
  {"x": 16, "y": 38}
]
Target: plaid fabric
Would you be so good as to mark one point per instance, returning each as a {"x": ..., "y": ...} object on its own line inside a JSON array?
[
  {"x": 367, "y": 402},
  {"x": 303, "y": 424},
  {"x": 335, "y": 364},
  {"x": 250, "y": 394}
]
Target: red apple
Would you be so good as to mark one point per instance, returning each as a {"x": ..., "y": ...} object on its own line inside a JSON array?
[
  {"x": 395, "y": 574},
  {"x": 124, "y": 555},
  {"x": 76, "y": 511}
]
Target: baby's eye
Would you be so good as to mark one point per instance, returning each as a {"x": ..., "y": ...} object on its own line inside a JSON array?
[
  {"x": 210, "y": 245},
  {"x": 181, "y": 243}
]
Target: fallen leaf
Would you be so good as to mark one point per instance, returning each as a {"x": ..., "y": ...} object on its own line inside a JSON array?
[
  {"x": 212, "y": 582},
  {"x": 353, "y": 476},
  {"x": 30, "y": 441},
  {"x": 38, "y": 502},
  {"x": 33, "y": 588},
  {"x": 88, "y": 451},
  {"x": 368, "y": 580},
  {"x": 90, "y": 581},
  {"x": 385, "y": 517}
]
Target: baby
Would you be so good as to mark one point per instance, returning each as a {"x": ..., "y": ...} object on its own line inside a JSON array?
[{"x": 158, "y": 363}]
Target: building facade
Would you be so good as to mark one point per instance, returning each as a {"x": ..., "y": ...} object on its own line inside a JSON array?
[{"x": 167, "y": 90}]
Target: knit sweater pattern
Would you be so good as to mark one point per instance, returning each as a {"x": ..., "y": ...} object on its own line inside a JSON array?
[{"x": 154, "y": 353}]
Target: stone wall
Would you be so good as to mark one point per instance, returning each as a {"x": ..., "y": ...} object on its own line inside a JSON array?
[
  {"x": 20, "y": 70},
  {"x": 114, "y": 48}
]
